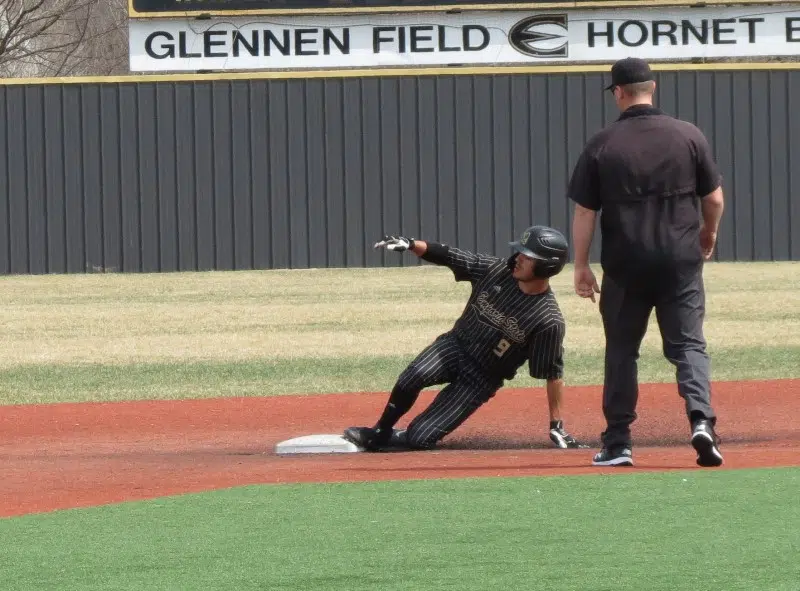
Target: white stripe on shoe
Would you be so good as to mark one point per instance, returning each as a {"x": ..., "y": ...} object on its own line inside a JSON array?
[
  {"x": 623, "y": 458},
  {"x": 618, "y": 461},
  {"x": 707, "y": 453}
]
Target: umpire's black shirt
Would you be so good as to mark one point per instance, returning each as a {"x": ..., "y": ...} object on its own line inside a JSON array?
[{"x": 646, "y": 173}]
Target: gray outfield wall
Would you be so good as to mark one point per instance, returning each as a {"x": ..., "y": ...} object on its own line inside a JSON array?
[{"x": 171, "y": 175}]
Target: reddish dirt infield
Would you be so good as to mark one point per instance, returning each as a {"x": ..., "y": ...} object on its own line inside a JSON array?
[{"x": 76, "y": 455}]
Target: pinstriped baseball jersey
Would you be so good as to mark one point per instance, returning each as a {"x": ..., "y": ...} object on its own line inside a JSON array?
[{"x": 502, "y": 327}]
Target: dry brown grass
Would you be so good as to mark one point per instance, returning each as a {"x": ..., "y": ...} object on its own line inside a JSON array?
[{"x": 236, "y": 316}]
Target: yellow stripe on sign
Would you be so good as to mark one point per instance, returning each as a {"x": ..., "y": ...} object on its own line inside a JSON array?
[{"x": 404, "y": 72}]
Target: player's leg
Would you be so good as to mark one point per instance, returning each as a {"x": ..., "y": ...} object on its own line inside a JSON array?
[
  {"x": 680, "y": 315},
  {"x": 625, "y": 312},
  {"x": 560, "y": 437},
  {"x": 436, "y": 364},
  {"x": 453, "y": 405}
]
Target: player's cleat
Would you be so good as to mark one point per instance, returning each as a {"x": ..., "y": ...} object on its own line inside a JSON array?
[
  {"x": 615, "y": 456},
  {"x": 398, "y": 439},
  {"x": 562, "y": 439},
  {"x": 369, "y": 438},
  {"x": 706, "y": 444}
]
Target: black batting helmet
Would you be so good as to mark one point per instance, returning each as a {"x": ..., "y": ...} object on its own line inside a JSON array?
[{"x": 547, "y": 245}]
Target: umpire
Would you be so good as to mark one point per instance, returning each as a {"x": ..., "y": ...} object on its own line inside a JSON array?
[{"x": 654, "y": 180}]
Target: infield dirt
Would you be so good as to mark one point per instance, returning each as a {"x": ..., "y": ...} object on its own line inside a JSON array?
[{"x": 63, "y": 456}]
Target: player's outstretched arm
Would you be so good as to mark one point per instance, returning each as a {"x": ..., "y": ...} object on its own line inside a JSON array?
[
  {"x": 464, "y": 264},
  {"x": 402, "y": 244}
]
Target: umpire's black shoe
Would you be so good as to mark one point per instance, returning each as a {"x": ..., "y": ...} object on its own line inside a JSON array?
[
  {"x": 368, "y": 438},
  {"x": 613, "y": 456},
  {"x": 706, "y": 444},
  {"x": 562, "y": 439}
]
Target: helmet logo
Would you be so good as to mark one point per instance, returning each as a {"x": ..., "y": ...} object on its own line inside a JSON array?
[{"x": 525, "y": 235}]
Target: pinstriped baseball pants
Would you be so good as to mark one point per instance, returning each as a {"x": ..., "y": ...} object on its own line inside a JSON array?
[{"x": 467, "y": 389}]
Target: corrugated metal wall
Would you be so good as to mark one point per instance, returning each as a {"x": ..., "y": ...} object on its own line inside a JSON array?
[{"x": 302, "y": 173}]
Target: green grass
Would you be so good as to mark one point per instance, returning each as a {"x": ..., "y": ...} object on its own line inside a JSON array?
[
  {"x": 732, "y": 530},
  {"x": 185, "y": 335}
]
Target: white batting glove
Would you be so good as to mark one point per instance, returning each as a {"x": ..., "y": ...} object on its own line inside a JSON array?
[{"x": 396, "y": 243}]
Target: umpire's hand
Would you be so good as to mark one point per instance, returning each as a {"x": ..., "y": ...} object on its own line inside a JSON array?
[
  {"x": 708, "y": 239},
  {"x": 585, "y": 282},
  {"x": 396, "y": 243}
]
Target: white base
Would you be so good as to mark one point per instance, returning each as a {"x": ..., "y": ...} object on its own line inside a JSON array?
[{"x": 316, "y": 444}]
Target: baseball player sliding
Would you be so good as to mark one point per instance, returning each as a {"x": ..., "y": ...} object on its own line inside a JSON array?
[{"x": 511, "y": 317}]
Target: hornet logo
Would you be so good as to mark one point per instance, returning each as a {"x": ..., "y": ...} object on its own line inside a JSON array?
[{"x": 543, "y": 35}]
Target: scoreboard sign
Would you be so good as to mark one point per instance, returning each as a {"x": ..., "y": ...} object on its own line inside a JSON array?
[{"x": 414, "y": 39}]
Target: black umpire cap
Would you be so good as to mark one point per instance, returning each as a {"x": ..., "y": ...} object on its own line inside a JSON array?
[{"x": 630, "y": 71}]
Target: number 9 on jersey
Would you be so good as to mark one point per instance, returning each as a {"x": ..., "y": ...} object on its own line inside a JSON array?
[{"x": 501, "y": 348}]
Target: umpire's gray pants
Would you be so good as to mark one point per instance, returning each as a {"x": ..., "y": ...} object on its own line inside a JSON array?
[
  {"x": 467, "y": 389},
  {"x": 680, "y": 311}
]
